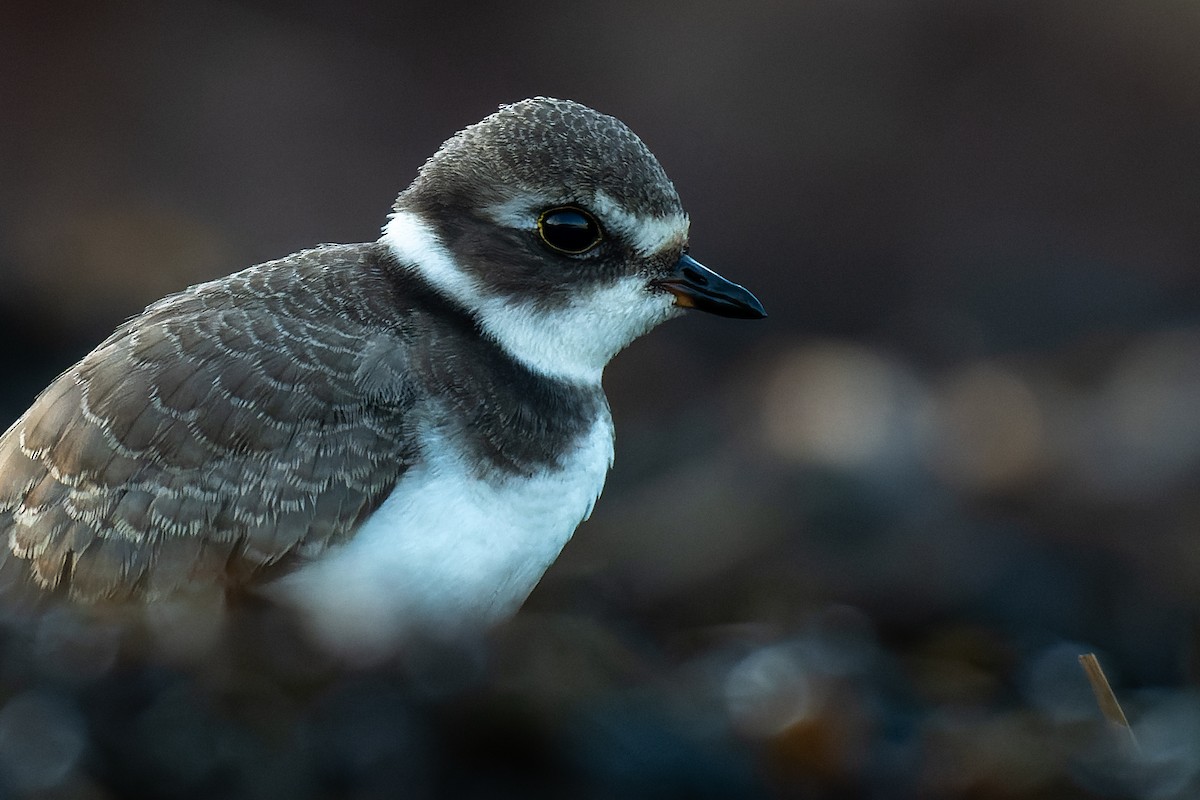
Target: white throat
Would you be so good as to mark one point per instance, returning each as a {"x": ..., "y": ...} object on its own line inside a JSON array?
[{"x": 573, "y": 343}]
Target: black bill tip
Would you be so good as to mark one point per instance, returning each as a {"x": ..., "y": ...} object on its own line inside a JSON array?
[{"x": 696, "y": 286}]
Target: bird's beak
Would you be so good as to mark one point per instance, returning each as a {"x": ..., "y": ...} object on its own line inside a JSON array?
[{"x": 696, "y": 286}]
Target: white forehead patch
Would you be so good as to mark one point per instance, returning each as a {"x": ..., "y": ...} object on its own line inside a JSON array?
[
  {"x": 573, "y": 343},
  {"x": 648, "y": 234}
]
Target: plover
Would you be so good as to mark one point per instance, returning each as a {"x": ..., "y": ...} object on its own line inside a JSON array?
[{"x": 386, "y": 436}]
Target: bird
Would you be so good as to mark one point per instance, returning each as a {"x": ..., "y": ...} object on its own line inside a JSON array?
[{"x": 384, "y": 437}]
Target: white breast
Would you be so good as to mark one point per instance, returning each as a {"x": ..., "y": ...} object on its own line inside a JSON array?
[{"x": 446, "y": 550}]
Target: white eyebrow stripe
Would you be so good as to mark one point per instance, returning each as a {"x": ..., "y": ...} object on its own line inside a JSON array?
[
  {"x": 520, "y": 213},
  {"x": 647, "y": 234}
]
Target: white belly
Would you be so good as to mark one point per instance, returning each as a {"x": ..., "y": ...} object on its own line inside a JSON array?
[{"x": 446, "y": 551}]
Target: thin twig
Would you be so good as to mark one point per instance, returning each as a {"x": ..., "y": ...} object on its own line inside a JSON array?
[{"x": 1105, "y": 697}]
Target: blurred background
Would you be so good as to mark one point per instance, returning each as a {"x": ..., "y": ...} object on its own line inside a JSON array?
[{"x": 851, "y": 551}]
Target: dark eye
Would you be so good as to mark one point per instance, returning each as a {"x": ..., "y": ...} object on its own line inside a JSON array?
[{"x": 569, "y": 230}]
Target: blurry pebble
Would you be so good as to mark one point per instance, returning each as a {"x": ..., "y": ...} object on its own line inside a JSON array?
[{"x": 41, "y": 740}]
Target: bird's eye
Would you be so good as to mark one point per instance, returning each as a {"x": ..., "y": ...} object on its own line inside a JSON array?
[{"x": 568, "y": 229}]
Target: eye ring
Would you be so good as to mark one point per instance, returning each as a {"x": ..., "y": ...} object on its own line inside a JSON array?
[{"x": 569, "y": 229}]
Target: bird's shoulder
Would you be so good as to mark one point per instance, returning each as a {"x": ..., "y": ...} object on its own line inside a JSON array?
[{"x": 227, "y": 428}]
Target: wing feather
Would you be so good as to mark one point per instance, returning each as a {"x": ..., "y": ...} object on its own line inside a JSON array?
[{"x": 226, "y": 429}]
